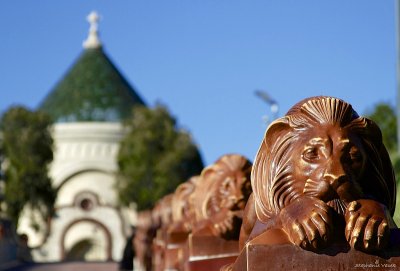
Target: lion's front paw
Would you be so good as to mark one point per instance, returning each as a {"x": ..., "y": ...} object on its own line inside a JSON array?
[
  {"x": 307, "y": 222},
  {"x": 367, "y": 225}
]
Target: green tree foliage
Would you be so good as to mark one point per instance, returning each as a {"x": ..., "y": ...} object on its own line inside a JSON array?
[
  {"x": 384, "y": 115},
  {"x": 28, "y": 149},
  {"x": 154, "y": 157}
]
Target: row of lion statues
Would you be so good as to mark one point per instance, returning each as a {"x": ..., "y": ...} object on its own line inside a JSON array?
[
  {"x": 210, "y": 204},
  {"x": 321, "y": 176}
]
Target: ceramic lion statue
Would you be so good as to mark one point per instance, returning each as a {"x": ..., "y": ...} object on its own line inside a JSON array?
[
  {"x": 322, "y": 174},
  {"x": 221, "y": 196},
  {"x": 183, "y": 213}
]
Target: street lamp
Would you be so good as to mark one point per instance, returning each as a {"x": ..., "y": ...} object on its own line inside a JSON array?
[{"x": 274, "y": 107}]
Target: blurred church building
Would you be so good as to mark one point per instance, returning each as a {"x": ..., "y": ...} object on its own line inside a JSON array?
[{"x": 88, "y": 106}]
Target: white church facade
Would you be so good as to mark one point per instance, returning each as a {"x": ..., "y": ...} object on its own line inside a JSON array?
[{"x": 88, "y": 106}]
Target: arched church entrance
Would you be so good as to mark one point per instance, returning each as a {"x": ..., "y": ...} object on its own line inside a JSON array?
[{"x": 86, "y": 240}]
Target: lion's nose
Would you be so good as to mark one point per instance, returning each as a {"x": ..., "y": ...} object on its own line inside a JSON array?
[
  {"x": 334, "y": 180},
  {"x": 335, "y": 174}
]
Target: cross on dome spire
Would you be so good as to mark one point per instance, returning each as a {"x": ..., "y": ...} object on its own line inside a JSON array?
[{"x": 92, "y": 40}]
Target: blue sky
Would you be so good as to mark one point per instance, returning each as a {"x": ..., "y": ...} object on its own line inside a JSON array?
[{"x": 204, "y": 59}]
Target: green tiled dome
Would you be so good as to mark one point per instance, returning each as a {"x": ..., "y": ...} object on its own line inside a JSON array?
[{"x": 92, "y": 90}]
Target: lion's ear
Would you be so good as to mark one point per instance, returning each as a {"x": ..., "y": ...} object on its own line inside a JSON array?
[
  {"x": 367, "y": 128},
  {"x": 374, "y": 132},
  {"x": 275, "y": 129},
  {"x": 207, "y": 172}
]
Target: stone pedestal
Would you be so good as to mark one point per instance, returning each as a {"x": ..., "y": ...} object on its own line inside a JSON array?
[
  {"x": 289, "y": 257},
  {"x": 209, "y": 253},
  {"x": 175, "y": 251},
  {"x": 257, "y": 256},
  {"x": 159, "y": 248}
]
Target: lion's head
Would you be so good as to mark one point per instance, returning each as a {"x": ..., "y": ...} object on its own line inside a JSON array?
[
  {"x": 321, "y": 148},
  {"x": 182, "y": 209},
  {"x": 162, "y": 212},
  {"x": 222, "y": 193},
  {"x": 226, "y": 185}
]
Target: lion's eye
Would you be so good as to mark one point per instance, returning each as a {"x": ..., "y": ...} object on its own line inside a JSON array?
[
  {"x": 311, "y": 154},
  {"x": 355, "y": 154}
]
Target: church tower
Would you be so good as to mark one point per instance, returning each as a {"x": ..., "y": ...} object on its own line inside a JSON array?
[{"x": 88, "y": 106}]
